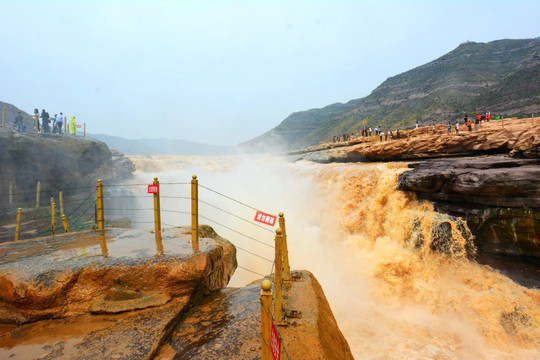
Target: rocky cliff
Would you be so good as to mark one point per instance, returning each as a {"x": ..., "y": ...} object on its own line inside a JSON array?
[
  {"x": 490, "y": 178},
  {"x": 502, "y": 76},
  {"x": 497, "y": 195},
  {"x": 11, "y": 113},
  {"x": 519, "y": 138},
  {"x": 59, "y": 162},
  {"x": 131, "y": 304},
  {"x": 226, "y": 325}
]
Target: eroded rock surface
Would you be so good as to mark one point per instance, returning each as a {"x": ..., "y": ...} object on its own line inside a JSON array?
[
  {"x": 129, "y": 335},
  {"x": 520, "y": 137},
  {"x": 497, "y": 195},
  {"x": 59, "y": 162},
  {"x": 63, "y": 275},
  {"x": 226, "y": 325}
]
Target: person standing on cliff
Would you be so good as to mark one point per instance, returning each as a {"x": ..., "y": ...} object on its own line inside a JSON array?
[
  {"x": 59, "y": 122},
  {"x": 457, "y": 127},
  {"x": 73, "y": 126},
  {"x": 45, "y": 120},
  {"x": 417, "y": 123},
  {"x": 19, "y": 122},
  {"x": 477, "y": 121},
  {"x": 449, "y": 128},
  {"x": 36, "y": 117}
]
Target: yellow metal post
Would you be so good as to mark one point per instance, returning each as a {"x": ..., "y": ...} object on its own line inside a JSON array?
[
  {"x": 100, "y": 218},
  {"x": 284, "y": 249},
  {"x": 4, "y": 118},
  {"x": 194, "y": 213},
  {"x": 266, "y": 319},
  {"x": 36, "y": 123},
  {"x": 157, "y": 220},
  {"x": 84, "y": 133},
  {"x": 10, "y": 193},
  {"x": 99, "y": 205},
  {"x": 38, "y": 189},
  {"x": 53, "y": 217},
  {"x": 65, "y": 223},
  {"x": 18, "y": 225},
  {"x": 278, "y": 281},
  {"x": 66, "y": 125},
  {"x": 61, "y": 199}
]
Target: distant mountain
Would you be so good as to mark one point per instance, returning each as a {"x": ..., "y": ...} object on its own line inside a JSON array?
[
  {"x": 502, "y": 76},
  {"x": 159, "y": 146}
]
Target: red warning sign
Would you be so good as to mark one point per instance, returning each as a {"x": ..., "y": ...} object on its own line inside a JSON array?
[
  {"x": 153, "y": 189},
  {"x": 265, "y": 218},
  {"x": 275, "y": 343}
]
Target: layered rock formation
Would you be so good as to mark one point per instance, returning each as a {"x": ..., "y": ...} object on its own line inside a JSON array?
[
  {"x": 519, "y": 137},
  {"x": 66, "y": 275},
  {"x": 497, "y": 195},
  {"x": 58, "y": 162},
  {"x": 56, "y": 277}
]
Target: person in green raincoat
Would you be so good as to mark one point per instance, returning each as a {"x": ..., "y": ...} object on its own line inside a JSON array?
[{"x": 72, "y": 126}]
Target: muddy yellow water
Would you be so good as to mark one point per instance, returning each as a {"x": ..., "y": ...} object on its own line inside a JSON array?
[
  {"x": 393, "y": 297},
  {"x": 394, "y": 293}
]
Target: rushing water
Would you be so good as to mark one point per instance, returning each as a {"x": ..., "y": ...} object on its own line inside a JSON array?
[{"x": 396, "y": 290}]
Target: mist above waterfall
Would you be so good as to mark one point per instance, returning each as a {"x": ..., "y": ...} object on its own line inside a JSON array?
[{"x": 398, "y": 275}]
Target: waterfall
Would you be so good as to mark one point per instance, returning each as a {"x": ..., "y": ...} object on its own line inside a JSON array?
[{"x": 398, "y": 275}]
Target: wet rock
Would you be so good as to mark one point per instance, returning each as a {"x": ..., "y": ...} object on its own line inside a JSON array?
[
  {"x": 223, "y": 325},
  {"x": 226, "y": 325},
  {"x": 62, "y": 275},
  {"x": 130, "y": 335},
  {"x": 495, "y": 181},
  {"x": 447, "y": 235},
  {"x": 119, "y": 300},
  {"x": 516, "y": 322},
  {"x": 498, "y": 196}
]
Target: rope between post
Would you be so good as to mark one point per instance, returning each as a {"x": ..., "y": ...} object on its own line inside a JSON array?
[{"x": 225, "y": 226}]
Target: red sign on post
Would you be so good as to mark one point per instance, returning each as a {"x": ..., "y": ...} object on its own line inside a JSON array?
[
  {"x": 265, "y": 218},
  {"x": 275, "y": 343},
  {"x": 153, "y": 189}
]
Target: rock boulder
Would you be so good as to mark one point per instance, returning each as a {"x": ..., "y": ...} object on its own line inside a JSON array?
[
  {"x": 226, "y": 325},
  {"x": 499, "y": 197},
  {"x": 64, "y": 275}
]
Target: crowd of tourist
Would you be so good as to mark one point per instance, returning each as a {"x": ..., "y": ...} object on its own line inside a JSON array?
[
  {"x": 48, "y": 124},
  {"x": 385, "y": 135},
  {"x": 368, "y": 132}
]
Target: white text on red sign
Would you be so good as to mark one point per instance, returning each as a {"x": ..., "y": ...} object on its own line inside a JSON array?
[
  {"x": 153, "y": 189},
  {"x": 265, "y": 218},
  {"x": 275, "y": 343}
]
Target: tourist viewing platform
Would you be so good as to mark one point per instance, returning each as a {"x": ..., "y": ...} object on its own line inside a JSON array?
[{"x": 516, "y": 136}]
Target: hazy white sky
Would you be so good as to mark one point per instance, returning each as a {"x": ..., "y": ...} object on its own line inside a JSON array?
[{"x": 224, "y": 71}]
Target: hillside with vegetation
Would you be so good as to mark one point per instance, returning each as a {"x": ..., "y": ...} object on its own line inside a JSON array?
[{"x": 502, "y": 76}]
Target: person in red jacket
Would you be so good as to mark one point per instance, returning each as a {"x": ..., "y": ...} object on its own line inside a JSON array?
[{"x": 477, "y": 121}]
